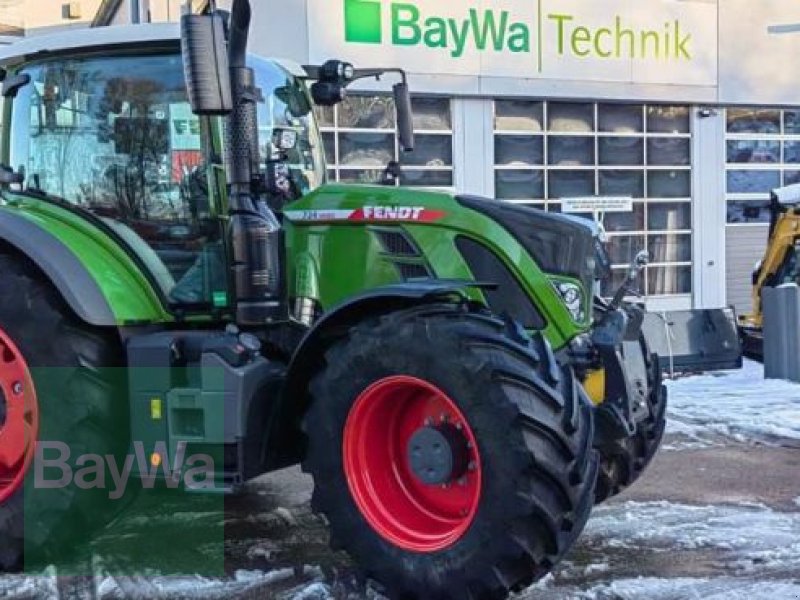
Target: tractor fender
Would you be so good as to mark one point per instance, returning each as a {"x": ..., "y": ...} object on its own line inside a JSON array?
[
  {"x": 309, "y": 355},
  {"x": 58, "y": 263}
]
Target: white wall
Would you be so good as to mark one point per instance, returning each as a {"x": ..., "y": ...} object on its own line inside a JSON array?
[
  {"x": 708, "y": 208},
  {"x": 162, "y": 10},
  {"x": 42, "y": 16},
  {"x": 742, "y": 62},
  {"x": 757, "y": 66}
]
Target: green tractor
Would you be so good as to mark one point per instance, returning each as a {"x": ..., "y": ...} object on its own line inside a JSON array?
[{"x": 439, "y": 364}]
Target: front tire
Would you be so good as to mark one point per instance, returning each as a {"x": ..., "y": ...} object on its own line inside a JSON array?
[
  {"x": 517, "y": 484},
  {"x": 623, "y": 461}
]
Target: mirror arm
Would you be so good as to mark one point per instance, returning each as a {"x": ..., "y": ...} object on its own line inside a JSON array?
[
  {"x": 314, "y": 73},
  {"x": 377, "y": 74}
]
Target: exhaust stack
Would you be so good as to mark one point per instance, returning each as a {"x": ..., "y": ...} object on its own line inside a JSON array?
[{"x": 255, "y": 233}]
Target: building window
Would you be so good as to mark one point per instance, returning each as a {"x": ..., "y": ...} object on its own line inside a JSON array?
[
  {"x": 762, "y": 148},
  {"x": 360, "y": 139},
  {"x": 548, "y": 151}
]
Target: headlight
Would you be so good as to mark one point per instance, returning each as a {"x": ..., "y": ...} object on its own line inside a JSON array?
[{"x": 572, "y": 295}]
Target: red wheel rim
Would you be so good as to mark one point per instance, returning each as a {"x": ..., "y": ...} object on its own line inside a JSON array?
[
  {"x": 401, "y": 508},
  {"x": 19, "y": 429}
]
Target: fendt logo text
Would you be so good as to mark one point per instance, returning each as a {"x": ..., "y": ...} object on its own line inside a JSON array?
[{"x": 502, "y": 31}]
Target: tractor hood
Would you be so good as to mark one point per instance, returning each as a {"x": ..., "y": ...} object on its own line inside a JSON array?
[{"x": 560, "y": 244}]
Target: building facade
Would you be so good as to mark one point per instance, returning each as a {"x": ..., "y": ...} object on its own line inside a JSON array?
[
  {"x": 35, "y": 17},
  {"x": 669, "y": 119}
]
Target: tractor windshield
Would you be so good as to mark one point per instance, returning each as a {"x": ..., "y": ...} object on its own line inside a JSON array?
[{"x": 116, "y": 135}]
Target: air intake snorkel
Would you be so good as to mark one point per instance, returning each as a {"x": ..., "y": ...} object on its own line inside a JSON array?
[
  {"x": 219, "y": 82},
  {"x": 256, "y": 234}
]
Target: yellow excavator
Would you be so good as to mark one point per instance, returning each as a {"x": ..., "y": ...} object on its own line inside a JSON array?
[{"x": 780, "y": 265}]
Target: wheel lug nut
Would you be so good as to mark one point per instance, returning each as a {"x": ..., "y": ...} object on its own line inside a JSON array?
[
  {"x": 472, "y": 466},
  {"x": 17, "y": 388},
  {"x": 462, "y": 482},
  {"x": 443, "y": 417},
  {"x": 428, "y": 422}
]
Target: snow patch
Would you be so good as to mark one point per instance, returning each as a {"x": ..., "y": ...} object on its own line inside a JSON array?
[
  {"x": 737, "y": 404},
  {"x": 17, "y": 586},
  {"x": 190, "y": 586},
  {"x": 707, "y": 589},
  {"x": 754, "y": 537},
  {"x": 315, "y": 591}
]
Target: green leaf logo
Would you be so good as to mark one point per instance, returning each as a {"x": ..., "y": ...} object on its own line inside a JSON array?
[{"x": 362, "y": 21}]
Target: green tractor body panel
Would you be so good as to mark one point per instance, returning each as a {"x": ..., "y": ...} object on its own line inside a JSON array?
[
  {"x": 339, "y": 241},
  {"x": 129, "y": 292}
]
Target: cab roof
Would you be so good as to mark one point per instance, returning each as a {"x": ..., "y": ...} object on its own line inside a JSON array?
[
  {"x": 89, "y": 39},
  {"x": 99, "y": 38}
]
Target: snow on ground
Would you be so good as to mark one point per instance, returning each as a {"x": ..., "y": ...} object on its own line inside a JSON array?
[
  {"x": 18, "y": 586},
  {"x": 741, "y": 405},
  {"x": 681, "y": 552},
  {"x": 195, "y": 587},
  {"x": 684, "y": 588},
  {"x": 752, "y": 537}
]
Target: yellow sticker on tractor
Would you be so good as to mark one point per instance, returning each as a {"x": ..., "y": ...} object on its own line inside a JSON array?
[{"x": 155, "y": 409}]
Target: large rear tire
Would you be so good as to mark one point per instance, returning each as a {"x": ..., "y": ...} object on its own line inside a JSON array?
[
  {"x": 517, "y": 485},
  {"x": 67, "y": 395},
  {"x": 623, "y": 461}
]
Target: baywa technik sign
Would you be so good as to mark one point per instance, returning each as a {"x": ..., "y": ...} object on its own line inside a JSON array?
[{"x": 640, "y": 41}]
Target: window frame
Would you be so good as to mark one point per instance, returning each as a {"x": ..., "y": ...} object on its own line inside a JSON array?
[
  {"x": 645, "y": 134},
  {"x": 333, "y": 132}
]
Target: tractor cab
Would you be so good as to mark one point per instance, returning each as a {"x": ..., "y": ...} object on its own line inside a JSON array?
[{"x": 110, "y": 133}]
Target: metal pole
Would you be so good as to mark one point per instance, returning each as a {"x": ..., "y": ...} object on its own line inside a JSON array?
[{"x": 782, "y": 332}]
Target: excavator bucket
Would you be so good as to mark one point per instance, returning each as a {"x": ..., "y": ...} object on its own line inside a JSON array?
[{"x": 694, "y": 341}]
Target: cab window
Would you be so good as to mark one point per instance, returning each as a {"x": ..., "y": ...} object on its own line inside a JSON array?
[{"x": 116, "y": 136}]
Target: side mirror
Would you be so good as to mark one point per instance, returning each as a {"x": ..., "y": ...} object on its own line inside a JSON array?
[
  {"x": 405, "y": 116},
  {"x": 205, "y": 64}
]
